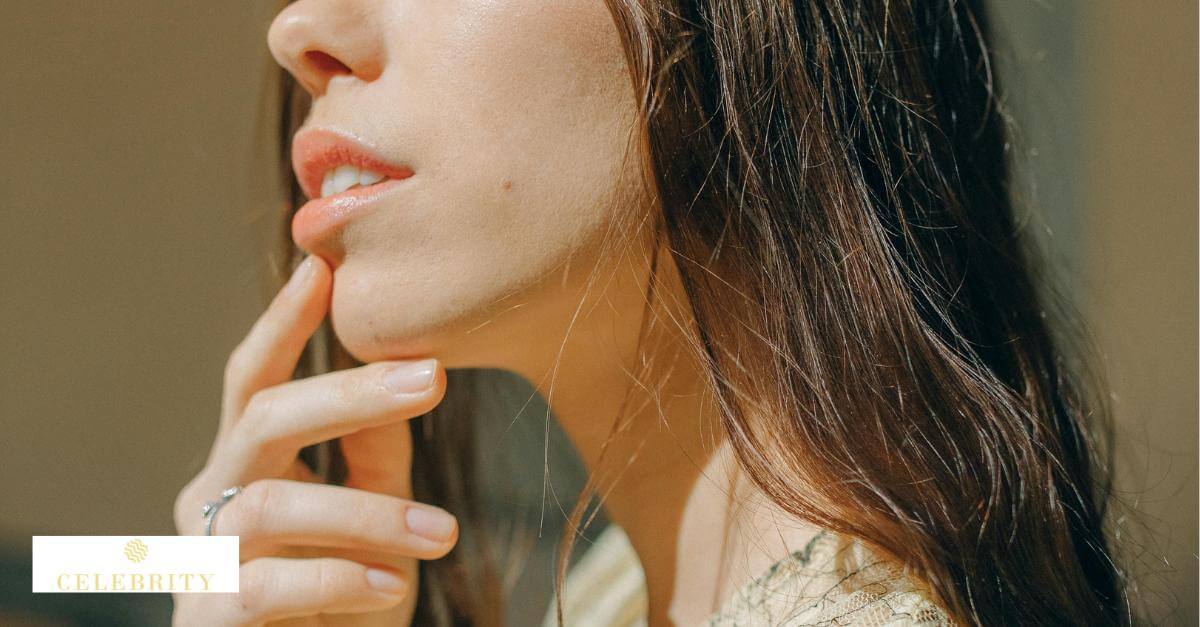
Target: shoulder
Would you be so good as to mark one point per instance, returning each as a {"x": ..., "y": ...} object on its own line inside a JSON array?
[{"x": 833, "y": 580}]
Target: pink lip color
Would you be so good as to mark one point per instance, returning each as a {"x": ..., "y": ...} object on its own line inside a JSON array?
[{"x": 315, "y": 152}]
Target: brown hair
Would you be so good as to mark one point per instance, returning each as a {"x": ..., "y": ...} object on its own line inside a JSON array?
[{"x": 888, "y": 359}]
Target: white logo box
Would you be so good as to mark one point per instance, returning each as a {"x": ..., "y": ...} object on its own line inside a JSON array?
[{"x": 135, "y": 563}]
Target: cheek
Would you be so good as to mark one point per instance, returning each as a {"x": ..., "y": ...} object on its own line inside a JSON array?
[
  {"x": 536, "y": 110},
  {"x": 542, "y": 114},
  {"x": 526, "y": 111}
]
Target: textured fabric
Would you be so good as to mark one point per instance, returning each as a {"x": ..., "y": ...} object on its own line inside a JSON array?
[{"x": 831, "y": 581}]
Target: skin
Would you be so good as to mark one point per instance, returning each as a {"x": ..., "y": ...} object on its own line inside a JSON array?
[{"x": 516, "y": 118}]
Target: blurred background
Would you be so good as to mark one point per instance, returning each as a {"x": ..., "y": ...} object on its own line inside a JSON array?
[{"x": 136, "y": 204}]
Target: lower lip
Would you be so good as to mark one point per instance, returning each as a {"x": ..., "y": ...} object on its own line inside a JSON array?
[{"x": 321, "y": 217}]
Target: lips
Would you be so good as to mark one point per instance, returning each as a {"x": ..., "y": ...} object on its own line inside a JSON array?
[{"x": 316, "y": 152}]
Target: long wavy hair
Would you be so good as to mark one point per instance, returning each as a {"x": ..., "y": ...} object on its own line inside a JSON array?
[{"x": 888, "y": 356}]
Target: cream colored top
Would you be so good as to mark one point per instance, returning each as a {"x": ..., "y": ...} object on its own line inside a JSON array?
[{"x": 831, "y": 581}]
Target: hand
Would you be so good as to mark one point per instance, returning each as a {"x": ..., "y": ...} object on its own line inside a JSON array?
[{"x": 313, "y": 553}]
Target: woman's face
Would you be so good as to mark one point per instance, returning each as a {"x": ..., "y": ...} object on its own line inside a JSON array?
[{"x": 513, "y": 116}]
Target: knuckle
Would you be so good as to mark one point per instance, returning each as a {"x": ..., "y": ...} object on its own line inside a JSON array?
[
  {"x": 254, "y": 584},
  {"x": 251, "y": 509},
  {"x": 177, "y": 510},
  {"x": 184, "y": 501},
  {"x": 177, "y": 514},
  {"x": 325, "y": 575},
  {"x": 257, "y": 419},
  {"x": 345, "y": 389},
  {"x": 260, "y": 405},
  {"x": 237, "y": 363}
]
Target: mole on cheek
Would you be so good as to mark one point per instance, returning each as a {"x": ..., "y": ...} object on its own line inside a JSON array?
[{"x": 506, "y": 185}]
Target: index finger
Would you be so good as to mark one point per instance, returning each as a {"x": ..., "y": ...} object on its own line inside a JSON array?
[{"x": 268, "y": 355}]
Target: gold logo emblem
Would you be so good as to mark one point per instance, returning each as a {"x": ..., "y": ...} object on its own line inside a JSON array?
[{"x": 136, "y": 550}]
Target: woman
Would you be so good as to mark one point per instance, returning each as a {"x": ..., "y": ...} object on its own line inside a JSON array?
[{"x": 758, "y": 257}]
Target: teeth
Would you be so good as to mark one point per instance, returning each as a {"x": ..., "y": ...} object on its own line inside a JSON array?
[
  {"x": 367, "y": 177},
  {"x": 345, "y": 177}
]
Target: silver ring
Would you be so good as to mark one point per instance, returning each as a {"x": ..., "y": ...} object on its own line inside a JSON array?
[{"x": 210, "y": 509}]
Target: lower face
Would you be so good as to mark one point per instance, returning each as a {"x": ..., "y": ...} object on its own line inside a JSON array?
[{"x": 516, "y": 117}]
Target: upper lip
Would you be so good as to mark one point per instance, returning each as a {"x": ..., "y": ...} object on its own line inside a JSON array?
[{"x": 315, "y": 151}]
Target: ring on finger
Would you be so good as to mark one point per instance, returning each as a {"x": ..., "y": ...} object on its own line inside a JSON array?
[{"x": 210, "y": 509}]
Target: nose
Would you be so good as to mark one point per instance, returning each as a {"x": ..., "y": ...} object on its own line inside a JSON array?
[{"x": 317, "y": 40}]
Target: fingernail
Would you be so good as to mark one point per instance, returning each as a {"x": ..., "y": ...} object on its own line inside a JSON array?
[
  {"x": 298, "y": 278},
  {"x": 411, "y": 378},
  {"x": 433, "y": 524},
  {"x": 385, "y": 581}
]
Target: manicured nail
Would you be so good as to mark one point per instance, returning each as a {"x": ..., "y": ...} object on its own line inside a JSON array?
[
  {"x": 385, "y": 581},
  {"x": 433, "y": 524},
  {"x": 411, "y": 378},
  {"x": 300, "y": 276}
]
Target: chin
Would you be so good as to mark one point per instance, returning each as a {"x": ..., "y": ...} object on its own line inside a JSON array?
[
  {"x": 369, "y": 338},
  {"x": 382, "y": 317},
  {"x": 372, "y": 332},
  {"x": 482, "y": 311},
  {"x": 368, "y": 344}
]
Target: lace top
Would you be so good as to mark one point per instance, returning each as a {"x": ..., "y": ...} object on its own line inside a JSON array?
[{"x": 831, "y": 581}]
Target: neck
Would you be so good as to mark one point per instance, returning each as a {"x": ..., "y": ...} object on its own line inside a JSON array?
[{"x": 667, "y": 474}]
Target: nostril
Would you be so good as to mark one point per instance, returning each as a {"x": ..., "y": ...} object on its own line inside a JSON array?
[{"x": 325, "y": 63}]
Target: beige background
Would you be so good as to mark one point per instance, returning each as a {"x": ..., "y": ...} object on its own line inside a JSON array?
[{"x": 132, "y": 200}]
